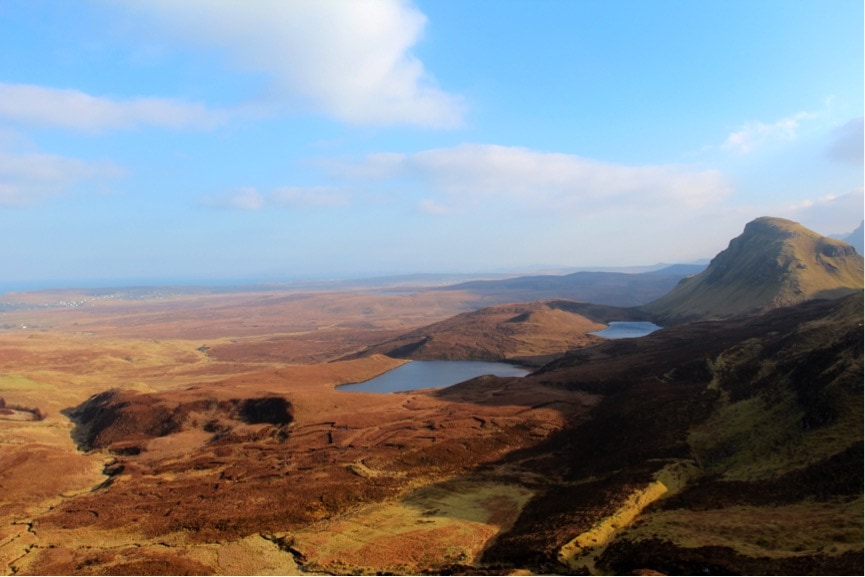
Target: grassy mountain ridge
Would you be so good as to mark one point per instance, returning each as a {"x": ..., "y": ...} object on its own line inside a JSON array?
[{"x": 774, "y": 262}]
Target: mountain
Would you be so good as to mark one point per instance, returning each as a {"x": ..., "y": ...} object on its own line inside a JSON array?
[
  {"x": 856, "y": 239},
  {"x": 715, "y": 447},
  {"x": 528, "y": 333},
  {"x": 606, "y": 288},
  {"x": 774, "y": 262}
]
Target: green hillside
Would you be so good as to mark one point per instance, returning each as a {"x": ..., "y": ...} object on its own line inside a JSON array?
[{"x": 773, "y": 263}]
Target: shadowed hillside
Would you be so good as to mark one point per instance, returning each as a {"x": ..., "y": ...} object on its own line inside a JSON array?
[
  {"x": 725, "y": 447},
  {"x": 773, "y": 263}
]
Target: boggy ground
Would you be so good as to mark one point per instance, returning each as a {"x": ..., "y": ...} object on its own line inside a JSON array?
[
  {"x": 195, "y": 434},
  {"x": 719, "y": 447},
  {"x": 212, "y": 466}
]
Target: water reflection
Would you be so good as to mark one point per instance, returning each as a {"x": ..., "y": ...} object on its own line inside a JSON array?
[
  {"x": 627, "y": 330},
  {"x": 433, "y": 375}
]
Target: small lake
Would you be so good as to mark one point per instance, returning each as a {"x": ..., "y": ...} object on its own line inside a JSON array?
[
  {"x": 433, "y": 375},
  {"x": 627, "y": 330}
]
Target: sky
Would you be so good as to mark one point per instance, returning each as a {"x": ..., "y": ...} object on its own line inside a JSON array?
[{"x": 144, "y": 140}]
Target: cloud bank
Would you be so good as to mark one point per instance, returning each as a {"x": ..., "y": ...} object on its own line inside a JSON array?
[
  {"x": 28, "y": 178},
  {"x": 251, "y": 199},
  {"x": 469, "y": 175},
  {"x": 753, "y": 135},
  {"x": 350, "y": 60},
  {"x": 73, "y": 109},
  {"x": 829, "y": 214}
]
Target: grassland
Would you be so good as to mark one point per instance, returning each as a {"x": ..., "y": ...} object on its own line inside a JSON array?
[
  {"x": 64, "y": 510},
  {"x": 204, "y": 434}
]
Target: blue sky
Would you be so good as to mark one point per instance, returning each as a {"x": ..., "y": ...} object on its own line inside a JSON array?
[{"x": 207, "y": 139}]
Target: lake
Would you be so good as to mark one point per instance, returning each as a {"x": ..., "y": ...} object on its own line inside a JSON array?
[
  {"x": 627, "y": 330},
  {"x": 433, "y": 375}
]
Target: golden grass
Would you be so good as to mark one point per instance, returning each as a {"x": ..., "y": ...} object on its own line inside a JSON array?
[
  {"x": 446, "y": 523},
  {"x": 22, "y": 383},
  {"x": 252, "y": 555},
  {"x": 583, "y": 550}
]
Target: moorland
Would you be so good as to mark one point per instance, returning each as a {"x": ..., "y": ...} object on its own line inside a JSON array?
[{"x": 169, "y": 431}]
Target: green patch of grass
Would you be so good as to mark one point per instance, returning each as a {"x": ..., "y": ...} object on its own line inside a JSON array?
[
  {"x": 785, "y": 403},
  {"x": 762, "y": 437},
  {"x": 750, "y": 439},
  {"x": 22, "y": 383}
]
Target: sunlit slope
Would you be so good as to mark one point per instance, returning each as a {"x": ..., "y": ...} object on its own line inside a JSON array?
[
  {"x": 530, "y": 333},
  {"x": 773, "y": 263}
]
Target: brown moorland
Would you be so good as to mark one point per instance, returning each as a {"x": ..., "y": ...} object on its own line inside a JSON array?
[
  {"x": 531, "y": 334},
  {"x": 191, "y": 433},
  {"x": 204, "y": 434}
]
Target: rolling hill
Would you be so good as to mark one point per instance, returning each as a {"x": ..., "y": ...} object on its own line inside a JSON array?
[
  {"x": 727, "y": 446},
  {"x": 527, "y": 333},
  {"x": 775, "y": 262},
  {"x": 604, "y": 288}
]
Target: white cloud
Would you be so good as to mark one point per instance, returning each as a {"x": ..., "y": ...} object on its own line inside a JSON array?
[
  {"x": 24, "y": 103},
  {"x": 753, "y": 135},
  {"x": 829, "y": 214},
  {"x": 315, "y": 196},
  {"x": 246, "y": 198},
  {"x": 428, "y": 206},
  {"x": 249, "y": 198},
  {"x": 28, "y": 178},
  {"x": 472, "y": 174},
  {"x": 351, "y": 60}
]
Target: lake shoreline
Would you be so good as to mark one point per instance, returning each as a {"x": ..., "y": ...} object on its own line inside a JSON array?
[{"x": 416, "y": 375}]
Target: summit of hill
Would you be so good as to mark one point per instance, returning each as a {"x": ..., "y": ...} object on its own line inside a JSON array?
[
  {"x": 527, "y": 333},
  {"x": 775, "y": 262}
]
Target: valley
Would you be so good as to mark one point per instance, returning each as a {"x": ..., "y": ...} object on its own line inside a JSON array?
[{"x": 204, "y": 432}]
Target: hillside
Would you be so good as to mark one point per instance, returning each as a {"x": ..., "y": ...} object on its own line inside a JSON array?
[
  {"x": 716, "y": 447},
  {"x": 725, "y": 447},
  {"x": 728, "y": 446},
  {"x": 616, "y": 289},
  {"x": 528, "y": 333},
  {"x": 773, "y": 263}
]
